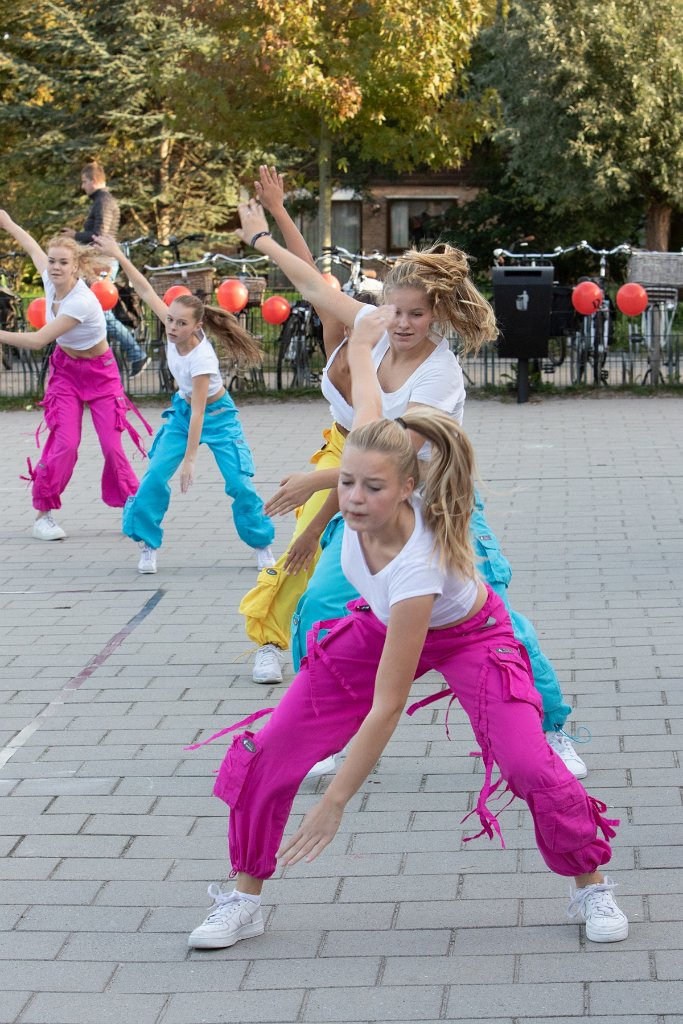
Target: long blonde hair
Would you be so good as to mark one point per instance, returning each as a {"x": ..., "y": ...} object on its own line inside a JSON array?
[
  {"x": 87, "y": 260},
  {"x": 448, "y": 492},
  {"x": 229, "y": 337},
  {"x": 442, "y": 272}
]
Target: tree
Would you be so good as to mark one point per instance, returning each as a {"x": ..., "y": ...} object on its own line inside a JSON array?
[
  {"x": 84, "y": 79},
  {"x": 368, "y": 80},
  {"x": 591, "y": 101}
]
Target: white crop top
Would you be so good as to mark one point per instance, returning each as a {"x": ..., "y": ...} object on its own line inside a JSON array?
[
  {"x": 414, "y": 572},
  {"x": 199, "y": 361},
  {"x": 81, "y": 304},
  {"x": 437, "y": 382}
]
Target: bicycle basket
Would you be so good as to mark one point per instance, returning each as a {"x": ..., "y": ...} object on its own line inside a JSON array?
[
  {"x": 256, "y": 286},
  {"x": 197, "y": 279},
  {"x": 658, "y": 268}
]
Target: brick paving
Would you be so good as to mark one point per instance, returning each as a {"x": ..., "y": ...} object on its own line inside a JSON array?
[{"x": 109, "y": 833}]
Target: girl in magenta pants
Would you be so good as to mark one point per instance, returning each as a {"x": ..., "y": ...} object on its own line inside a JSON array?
[
  {"x": 423, "y": 607},
  {"x": 83, "y": 371}
]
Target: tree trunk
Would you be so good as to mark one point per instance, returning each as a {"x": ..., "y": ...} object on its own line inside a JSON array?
[
  {"x": 163, "y": 208},
  {"x": 325, "y": 191},
  {"x": 658, "y": 227}
]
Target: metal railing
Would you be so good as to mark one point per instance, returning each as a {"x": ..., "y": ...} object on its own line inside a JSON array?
[{"x": 22, "y": 374}]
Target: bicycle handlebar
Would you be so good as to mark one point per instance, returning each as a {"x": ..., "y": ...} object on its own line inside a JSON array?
[
  {"x": 559, "y": 250},
  {"x": 337, "y": 250}
]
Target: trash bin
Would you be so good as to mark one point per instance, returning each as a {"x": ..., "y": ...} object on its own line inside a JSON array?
[{"x": 523, "y": 299}]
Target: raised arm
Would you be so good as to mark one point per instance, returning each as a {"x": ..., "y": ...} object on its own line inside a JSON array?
[
  {"x": 305, "y": 277},
  {"x": 108, "y": 246},
  {"x": 366, "y": 397},
  {"x": 270, "y": 192},
  {"x": 408, "y": 623},
  {"x": 26, "y": 241}
]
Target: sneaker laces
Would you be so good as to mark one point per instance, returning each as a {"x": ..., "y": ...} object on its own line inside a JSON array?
[
  {"x": 49, "y": 519},
  {"x": 599, "y": 895},
  {"x": 561, "y": 742},
  {"x": 582, "y": 730},
  {"x": 220, "y": 901}
]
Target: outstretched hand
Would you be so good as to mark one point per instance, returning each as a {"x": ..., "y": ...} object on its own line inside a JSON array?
[
  {"x": 371, "y": 328},
  {"x": 317, "y": 831},
  {"x": 252, "y": 219},
  {"x": 107, "y": 245},
  {"x": 270, "y": 190},
  {"x": 295, "y": 490}
]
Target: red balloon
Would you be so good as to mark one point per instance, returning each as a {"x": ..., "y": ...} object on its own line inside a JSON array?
[
  {"x": 587, "y": 297},
  {"x": 174, "y": 291},
  {"x": 276, "y": 309},
  {"x": 35, "y": 313},
  {"x": 333, "y": 281},
  {"x": 632, "y": 299},
  {"x": 232, "y": 295},
  {"x": 106, "y": 293}
]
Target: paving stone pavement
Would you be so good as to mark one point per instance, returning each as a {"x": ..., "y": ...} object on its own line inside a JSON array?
[{"x": 110, "y": 834}]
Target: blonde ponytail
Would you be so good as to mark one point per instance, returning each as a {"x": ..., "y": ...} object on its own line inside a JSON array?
[
  {"x": 448, "y": 495},
  {"x": 230, "y": 339},
  {"x": 442, "y": 272}
]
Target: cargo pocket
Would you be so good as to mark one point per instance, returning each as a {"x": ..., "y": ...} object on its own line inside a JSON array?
[
  {"x": 516, "y": 679},
  {"x": 244, "y": 458},
  {"x": 492, "y": 563},
  {"x": 563, "y": 816},
  {"x": 235, "y": 768}
]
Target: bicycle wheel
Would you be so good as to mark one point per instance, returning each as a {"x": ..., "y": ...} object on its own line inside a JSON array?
[
  {"x": 292, "y": 357},
  {"x": 557, "y": 350},
  {"x": 579, "y": 362}
]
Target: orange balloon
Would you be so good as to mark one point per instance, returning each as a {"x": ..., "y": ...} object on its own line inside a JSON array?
[
  {"x": 333, "y": 281},
  {"x": 106, "y": 293},
  {"x": 587, "y": 297},
  {"x": 276, "y": 309},
  {"x": 632, "y": 299},
  {"x": 35, "y": 313},
  {"x": 232, "y": 295},
  {"x": 174, "y": 291}
]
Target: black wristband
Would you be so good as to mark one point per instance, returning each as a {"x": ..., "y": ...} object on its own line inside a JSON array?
[{"x": 261, "y": 234}]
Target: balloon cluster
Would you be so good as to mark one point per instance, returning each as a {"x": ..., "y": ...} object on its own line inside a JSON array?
[
  {"x": 587, "y": 297},
  {"x": 233, "y": 295}
]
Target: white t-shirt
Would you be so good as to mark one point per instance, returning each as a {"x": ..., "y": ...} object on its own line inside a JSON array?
[
  {"x": 200, "y": 360},
  {"x": 437, "y": 382},
  {"x": 414, "y": 572},
  {"x": 81, "y": 304}
]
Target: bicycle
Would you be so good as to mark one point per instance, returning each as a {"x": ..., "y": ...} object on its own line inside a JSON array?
[
  {"x": 11, "y": 311},
  {"x": 591, "y": 342},
  {"x": 301, "y": 352}
]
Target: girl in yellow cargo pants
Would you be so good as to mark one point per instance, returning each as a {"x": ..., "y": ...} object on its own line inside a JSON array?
[{"x": 269, "y": 606}]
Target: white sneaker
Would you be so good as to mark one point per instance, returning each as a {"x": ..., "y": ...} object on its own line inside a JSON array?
[
  {"x": 326, "y": 767},
  {"x": 595, "y": 905},
  {"x": 231, "y": 918},
  {"x": 268, "y": 664},
  {"x": 45, "y": 528},
  {"x": 562, "y": 746},
  {"x": 265, "y": 559},
  {"x": 148, "y": 559}
]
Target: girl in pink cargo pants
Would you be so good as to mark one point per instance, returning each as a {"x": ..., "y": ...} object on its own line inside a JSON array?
[
  {"x": 423, "y": 607},
  {"x": 83, "y": 371}
]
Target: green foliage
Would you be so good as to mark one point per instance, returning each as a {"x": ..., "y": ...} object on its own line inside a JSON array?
[
  {"x": 591, "y": 100},
  {"x": 387, "y": 79},
  {"x": 84, "y": 79}
]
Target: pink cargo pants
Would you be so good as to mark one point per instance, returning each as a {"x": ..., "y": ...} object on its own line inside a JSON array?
[
  {"x": 72, "y": 384},
  {"x": 331, "y": 695}
]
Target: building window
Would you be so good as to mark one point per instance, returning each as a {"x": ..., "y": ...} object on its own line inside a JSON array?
[{"x": 414, "y": 222}]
